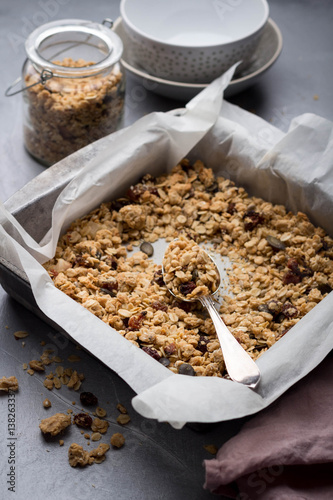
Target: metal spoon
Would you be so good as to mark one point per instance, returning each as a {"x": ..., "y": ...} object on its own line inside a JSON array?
[{"x": 240, "y": 366}]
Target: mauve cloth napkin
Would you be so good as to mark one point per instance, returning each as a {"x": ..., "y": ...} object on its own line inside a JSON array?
[{"x": 286, "y": 451}]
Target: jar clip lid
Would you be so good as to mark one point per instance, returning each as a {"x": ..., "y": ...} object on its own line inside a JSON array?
[{"x": 38, "y": 35}]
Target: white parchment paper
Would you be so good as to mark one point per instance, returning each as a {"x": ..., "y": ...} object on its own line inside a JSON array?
[{"x": 294, "y": 169}]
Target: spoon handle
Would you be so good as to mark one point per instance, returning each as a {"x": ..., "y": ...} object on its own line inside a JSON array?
[{"x": 240, "y": 366}]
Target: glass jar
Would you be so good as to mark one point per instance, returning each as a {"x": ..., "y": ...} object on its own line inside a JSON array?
[{"x": 73, "y": 87}]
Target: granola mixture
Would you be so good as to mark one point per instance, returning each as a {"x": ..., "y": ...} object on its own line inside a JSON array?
[
  {"x": 188, "y": 271},
  {"x": 78, "y": 456},
  {"x": 65, "y": 114},
  {"x": 8, "y": 384},
  {"x": 282, "y": 266},
  {"x": 55, "y": 424}
]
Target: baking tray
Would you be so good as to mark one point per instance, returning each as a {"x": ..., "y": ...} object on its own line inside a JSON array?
[{"x": 32, "y": 208}]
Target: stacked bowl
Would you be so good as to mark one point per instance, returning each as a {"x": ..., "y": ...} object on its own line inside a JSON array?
[{"x": 192, "y": 41}]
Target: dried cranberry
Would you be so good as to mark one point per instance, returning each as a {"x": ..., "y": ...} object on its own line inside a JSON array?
[
  {"x": 324, "y": 288},
  {"x": 170, "y": 349},
  {"x": 83, "y": 420},
  {"x": 147, "y": 178},
  {"x": 289, "y": 310},
  {"x": 110, "y": 288},
  {"x": 187, "y": 287},
  {"x": 81, "y": 261},
  {"x": 186, "y": 369},
  {"x": 152, "y": 352},
  {"x": 274, "y": 306},
  {"x": 158, "y": 278},
  {"x": 231, "y": 208},
  {"x": 159, "y": 306},
  {"x": 88, "y": 399},
  {"x": 185, "y": 306},
  {"x": 135, "y": 322},
  {"x": 290, "y": 277},
  {"x": 153, "y": 191},
  {"x": 202, "y": 344},
  {"x": 293, "y": 265},
  {"x": 120, "y": 203},
  {"x": 252, "y": 219},
  {"x": 278, "y": 318},
  {"x": 112, "y": 262},
  {"x": 135, "y": 192}
]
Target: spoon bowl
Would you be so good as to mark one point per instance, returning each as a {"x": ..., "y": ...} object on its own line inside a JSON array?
[{"x": 240, "y": 366}]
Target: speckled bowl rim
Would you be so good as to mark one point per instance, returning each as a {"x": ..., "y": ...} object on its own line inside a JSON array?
[
  {"x": 200, "y": 86},
  {"x": 151, "y": 39}
]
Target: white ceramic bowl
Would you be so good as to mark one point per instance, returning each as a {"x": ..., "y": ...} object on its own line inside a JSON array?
[{"x": 193, "y": 40}]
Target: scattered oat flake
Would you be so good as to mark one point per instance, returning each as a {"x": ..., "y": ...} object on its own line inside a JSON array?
[
  {"x": 55, "y": 424},
  {"x": 316, "y": 97},
  {"x": 25, "y": 366},
  {"x": 73, "y": 358},
  {"x": 21, "y": 334},
  {"x": 123, "y": 419},
  {"x": 121, "y": 408},
  {"x": 100, "y": 412},
  {"x": 31, "y": 372},
  {"x": 61, "y": 442},
  {"x": 211, "y": 448},
  {"x": 47, "y": 403},
  {"x": 48, "y": 383},
  {"x": 96, "y": 436},
  {"x": 36, "y": 365}
]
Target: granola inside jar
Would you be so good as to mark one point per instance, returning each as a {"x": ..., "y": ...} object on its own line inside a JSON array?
[{"x": 74, "y": 88}]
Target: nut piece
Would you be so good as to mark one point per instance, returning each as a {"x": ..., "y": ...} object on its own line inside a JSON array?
[
  {"x": 117, "y": 440},
  {"x": 47, "y": 403},
  {"x": 9, "y": 383},
  {"x": 55, "y": 424},
  {"x": 78, "y": 456}
]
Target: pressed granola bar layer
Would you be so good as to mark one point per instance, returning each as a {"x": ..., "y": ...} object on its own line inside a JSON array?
[{"x": 281, "y": 267}]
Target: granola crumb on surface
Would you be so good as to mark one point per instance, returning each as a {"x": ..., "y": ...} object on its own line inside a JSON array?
[
  {"x": 117, "y": 440},
  {"x": 47, "y": 403},
  {"x": 9, "y": 384},
  {"x": 281, "y": 266},
  {"x": 78, "y": 456},
  {"x": 55, "y": 424}
]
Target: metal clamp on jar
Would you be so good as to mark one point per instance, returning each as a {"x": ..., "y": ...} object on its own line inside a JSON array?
[{"x": 73, "y": 87}]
